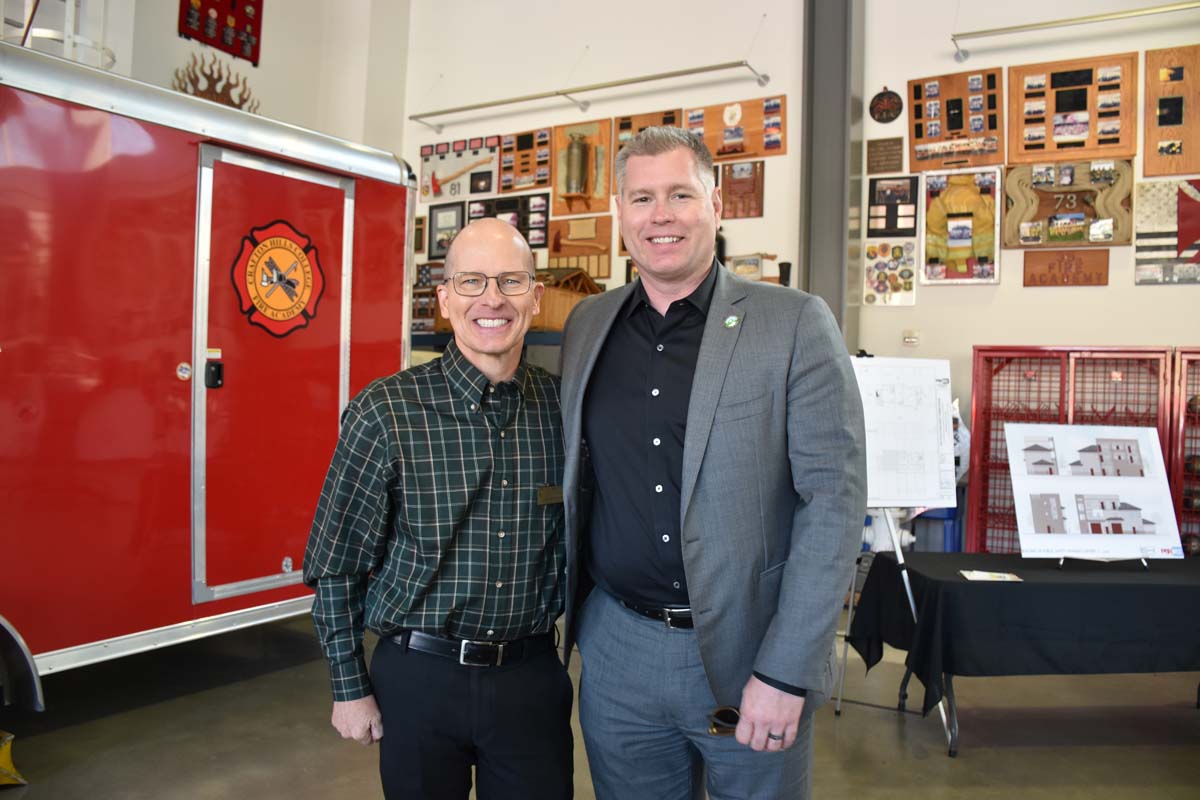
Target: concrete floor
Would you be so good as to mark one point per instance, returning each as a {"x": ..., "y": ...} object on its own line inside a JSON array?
[{"x": 245, "y": 715}]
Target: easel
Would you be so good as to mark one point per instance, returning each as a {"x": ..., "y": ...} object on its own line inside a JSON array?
[{"x": 949, "y": 723}]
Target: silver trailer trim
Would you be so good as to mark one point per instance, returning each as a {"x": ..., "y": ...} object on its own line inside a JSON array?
[
  {"x": 94, "y": 652},
  {"x": 27, "y": 69}
]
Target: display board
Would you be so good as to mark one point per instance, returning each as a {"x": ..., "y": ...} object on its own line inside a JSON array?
[
  {"x": 892, "y": 206},
  {"x": 907, "y": 413},
  {"x": 529, "y": 214},
  {"x": 1076, "y": 109},
  {"x": 961, "y": 242},
  {"x": 525, "y": 160},
  {"x": 1171, "y": 145},
  {"x": 583, "y": 164},
  {"x": 741, "y": 129},
  {"x": 889, "y": 272},
  {"x": 453, "y": 170},
  {"x": 582, "y": 243},
  {"x": 742, "y": 189},
  {"x": 1091, "y": 491},
  {"x": 956, "y": 120},
  {"x": 1073, "y": 203}
]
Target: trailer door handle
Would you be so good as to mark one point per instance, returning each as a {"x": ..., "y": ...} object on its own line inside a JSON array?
[{"x": 214, "y": 374}]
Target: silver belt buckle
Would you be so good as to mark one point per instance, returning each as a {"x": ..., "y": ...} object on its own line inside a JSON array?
[
  {"x": 462, "y": 653},
  {"x": 667, "y": 612}
]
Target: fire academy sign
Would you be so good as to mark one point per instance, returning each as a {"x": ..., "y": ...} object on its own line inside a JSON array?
[{"x": 278, "y": 278}]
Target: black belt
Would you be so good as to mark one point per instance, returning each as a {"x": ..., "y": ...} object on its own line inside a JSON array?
[
  {"x": 472, "y": 653},
  {"x": 673, "y": 617}
]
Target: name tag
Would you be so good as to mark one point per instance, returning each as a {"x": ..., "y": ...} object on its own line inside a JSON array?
[{"x": 550, "y": 495}]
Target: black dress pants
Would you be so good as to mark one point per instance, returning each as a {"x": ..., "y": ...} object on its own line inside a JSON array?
[{"x": 512, "y": 723}]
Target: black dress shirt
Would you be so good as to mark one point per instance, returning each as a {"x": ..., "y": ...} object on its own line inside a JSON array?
[{"x": 635, "y": 416}]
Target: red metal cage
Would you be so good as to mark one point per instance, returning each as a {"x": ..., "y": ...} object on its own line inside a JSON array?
[
  {"x": 1057, "y": 385},
  {"x": 1185, "y": 446}
]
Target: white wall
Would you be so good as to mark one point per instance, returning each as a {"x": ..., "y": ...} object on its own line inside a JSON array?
[
  {"x": 321, "y": 64},
  {"x": 463, "y": 52},
  {"x": 911, "y": 40}
]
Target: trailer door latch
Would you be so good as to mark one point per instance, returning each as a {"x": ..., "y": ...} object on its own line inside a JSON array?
[{"x": 214, "y": 374}]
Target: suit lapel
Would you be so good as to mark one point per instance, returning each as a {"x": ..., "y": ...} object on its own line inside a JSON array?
[
  {"x": 594, "y": 334},
  {"x": 721, "y": 332}
]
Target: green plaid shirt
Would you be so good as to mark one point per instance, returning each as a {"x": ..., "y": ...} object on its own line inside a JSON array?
[{"x": 430, "y": 518}]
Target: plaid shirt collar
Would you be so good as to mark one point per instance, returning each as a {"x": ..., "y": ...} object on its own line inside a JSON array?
[{"x": 467, "y": 382}]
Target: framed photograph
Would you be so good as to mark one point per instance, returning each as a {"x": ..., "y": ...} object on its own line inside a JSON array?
[
  {"x": 748, "y": 266},
  {"x": 892, "y": 206},
  {"x": 419, "y": 235},
  {"x": 445, "y": 221},
  {"x": 960, "y": 240}
]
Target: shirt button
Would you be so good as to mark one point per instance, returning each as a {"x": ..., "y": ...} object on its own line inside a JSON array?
[
  {"x": 472, "y": 406},
  {"x": 501, "y": 434},
  {"x": 504, "y": 481},
  {"x": 658, "y": 488},
  {"x": 491, "y": 390},
  {"x": 659, "y": 348},
  {"x": 501, "y": 534},
  {"x": 491, "y": 632},
  {"x": 654, "y": 392},
  {"x": 675, "y": 584},
  {"x": 666, "y": 538},
  {"x": 499, "y": 584},
  {"x": 657, "y": 441}
]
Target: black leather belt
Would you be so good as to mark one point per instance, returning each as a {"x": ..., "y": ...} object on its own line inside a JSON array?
[
  {"x": 472, "y": 653},
  {"x": 673, "y": 617}
]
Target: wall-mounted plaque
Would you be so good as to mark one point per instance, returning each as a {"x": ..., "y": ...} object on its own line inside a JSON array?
[
  {"x": 1171, "y": 144},
  {"x": 526, "y": 160},
  {"x": 956, "y": 120},
  {"x": 452, "y": 170},
  {"x": 1066, "y": 268},
  {"x": 1075, "y": 203},
  {"x": 582, "y": 243},
  {"x": 961, "y": 241},
  {"x": 1077, "y": 109},
  {"x": 582, "y": 167},
  {"x": 742, "y": 129}
]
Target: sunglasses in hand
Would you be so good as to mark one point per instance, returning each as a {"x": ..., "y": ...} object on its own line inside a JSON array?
[{"x": 723, "y": 721}]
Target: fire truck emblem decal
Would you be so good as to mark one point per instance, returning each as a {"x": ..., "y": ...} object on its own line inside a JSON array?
[{"x": 278, "y": 300}]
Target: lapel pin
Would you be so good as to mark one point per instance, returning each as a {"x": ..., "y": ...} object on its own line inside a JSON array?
[{"x": 731, "y": 321}]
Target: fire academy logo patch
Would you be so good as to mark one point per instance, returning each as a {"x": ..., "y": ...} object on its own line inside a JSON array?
[{"x": 278, "y": 278}]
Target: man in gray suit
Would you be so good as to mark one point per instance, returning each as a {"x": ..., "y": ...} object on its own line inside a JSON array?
[{"x": 715, "y": 492}]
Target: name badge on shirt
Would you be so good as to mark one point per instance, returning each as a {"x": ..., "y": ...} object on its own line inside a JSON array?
[{"x": 550, "y": 495}]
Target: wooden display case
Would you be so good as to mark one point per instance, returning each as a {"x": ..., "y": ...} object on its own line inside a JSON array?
[
  {"x": 1069, "y": 204},
  {"x": 582, "y": 243},
  {"x": 956, "y": 120},
  {"x": 1171, "y": 144},
  {"x": 1077, "y": 109},
  {"x": 583, "y": 163}
]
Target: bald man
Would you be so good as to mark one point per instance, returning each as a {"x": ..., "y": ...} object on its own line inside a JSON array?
[{"x": 440, "y": 528}]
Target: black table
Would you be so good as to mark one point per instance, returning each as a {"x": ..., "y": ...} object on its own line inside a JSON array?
[{"x": 1085, "y": 618}]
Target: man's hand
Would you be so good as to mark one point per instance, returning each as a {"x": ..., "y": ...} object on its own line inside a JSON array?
[
  {"x": 767, "y": 710},
  {"x": 359, "y": 720}
]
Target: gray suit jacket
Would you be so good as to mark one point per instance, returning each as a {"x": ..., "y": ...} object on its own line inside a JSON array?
[{"x": 774, "y": 480}]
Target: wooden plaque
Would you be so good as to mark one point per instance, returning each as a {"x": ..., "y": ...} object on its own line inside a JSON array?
[
  {"x": 1077, "y": 109},
  {"x": 742, "y": 190},
  {"x": 956, "y": 120},
  {"x": 1171, "y": 145},
  {"x": 582, "y": 167},
  {"x": 582, "y": 243},
  {"x": 526, "y": 161},
  {"x": 625, "y": 128},
  {"x": 885, "y": 155},
  {"x": 1069, "y": 204},
  {"x": 1066, "y": 268},
  {"x": 743, "y": 129},
  {"x": 452, "y": 170}
]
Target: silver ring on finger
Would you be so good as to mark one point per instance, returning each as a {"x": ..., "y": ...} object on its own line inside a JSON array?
[{"x": 775, "y": 737}]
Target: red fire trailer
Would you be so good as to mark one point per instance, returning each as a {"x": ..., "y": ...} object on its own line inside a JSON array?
[{"x": 189, "y": 295}]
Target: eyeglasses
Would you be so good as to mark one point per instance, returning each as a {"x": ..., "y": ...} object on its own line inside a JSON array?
[
  {"x": 474, "y": 284},
  {"x": 723, "y": 721}
]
